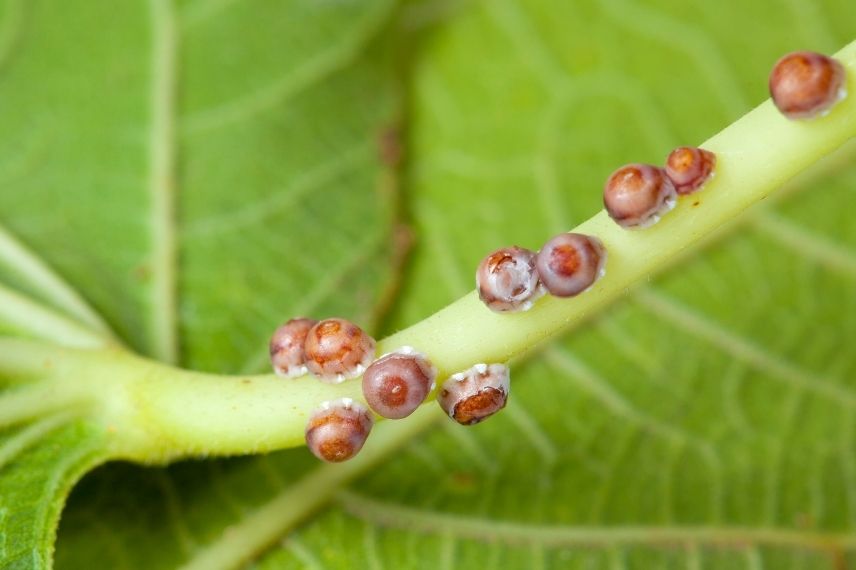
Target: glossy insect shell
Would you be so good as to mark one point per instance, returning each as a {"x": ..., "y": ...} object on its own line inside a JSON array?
[
  {"x": 805, "y": 85},
  {"x": 337, "y": 430},
  {"x": 637, "y": 195},
  {"x": 570, "y": 263},
  {"x": 689, "y": 168},
  {"x": 506, "y": 280},
  {"x": 472, "y": 396},
  {"x": 337, "y": 349},
  {"x": 286, "y": 347},
  {"x": 396, "y": 384}
]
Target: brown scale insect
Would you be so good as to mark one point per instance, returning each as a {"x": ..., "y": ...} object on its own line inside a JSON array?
[
  {"x": 805, "y": 84},
  {"x": 637, "y": 195},
  {"x": 337, "y": 349},
  {"x": 286, "y": 347},
  {"x": 689, "y": 168},
  {"x": 337, "y": 430},
  {"x": 473, "y": 395},
  {"x": 570, "y": 263},
  {"x": 397, "y": 383},
  {"x": 507, "y": 281}
]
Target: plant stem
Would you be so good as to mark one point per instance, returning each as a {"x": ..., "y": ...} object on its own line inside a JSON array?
[
  {"x": 23, "y": 359},
  {"x": 155, "y": 413},
  {"x": 40, "y": 399},
  {"x": 755, "y": 156}
]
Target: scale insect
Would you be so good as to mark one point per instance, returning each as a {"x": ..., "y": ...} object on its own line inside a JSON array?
[
  {"x": 637, "y": 195},
  {"x": 397, "y": 383},
  {"x": 689, "y": 168},
  {"x": 570, "y": 263},
  {"x": 472, "y": 396},
  {"x": 337, "y": 430},
  {"x": 806, "y": 85},
  {"x": 286, "y": 347},
  {"x": 507, "y": 281},
  {"x": 337, "y": 350}
]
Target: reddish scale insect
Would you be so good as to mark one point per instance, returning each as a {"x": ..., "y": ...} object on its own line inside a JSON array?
[
  {"x": 805, "y": 85},
  {"x": 637, "y": 195},
  {"x": 337, "y": 349},
  {"x": 473, "y": 395},
  {"x": 689, "y": 168},
  {"x": 286, "y": 347},
  {"x": 337, "y": 430},
  {"x": 507, "y": 281},
  {"x": 570, "y": 263},
  {"x": 395, "y": 384}
]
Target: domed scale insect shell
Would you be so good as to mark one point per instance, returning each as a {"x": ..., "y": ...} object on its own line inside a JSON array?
[
  {"x": 506, "y": 280},
  {"x": 637, "y": 195},
  {"x": 570, "y": 263},
  {"x": 689, "y": 168},
  {"x": 337, "y": 430},
  {"x": 473, "y": 395},
  {"x": 397, "y": 383},
  {"x": 286, "y": 347},
  {"x": 337, "y": 350},
  {"x": 805, "y": 85}
]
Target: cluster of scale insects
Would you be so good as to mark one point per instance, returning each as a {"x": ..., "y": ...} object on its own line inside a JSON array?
[{"x": 803, "y": 85}]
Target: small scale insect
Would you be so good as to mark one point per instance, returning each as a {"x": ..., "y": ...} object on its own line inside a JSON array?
[
  {"x": 637, "y": 195},
  {"x": 337, "y": 350},
  {"x": 473, "y": 395},
  {"x": 805, "y": 85},
  {"x": 689, "y": 168},
  {"x": 337, "y": 430},
  {"x": 570, "y": 263},
  {"x": 397, "y": 383},
  {"x": 507, "y": 281},
  {"x": 286, "y": 347}
]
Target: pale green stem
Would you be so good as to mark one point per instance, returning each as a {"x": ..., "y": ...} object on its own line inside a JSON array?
[
  {"x": 36, "y": 400},
  {"x": 23, "y": 358},
  {"x": 156, "y": 413},
  {"x": 755, "y": 156},
  {"x": 42, "y": 379}
]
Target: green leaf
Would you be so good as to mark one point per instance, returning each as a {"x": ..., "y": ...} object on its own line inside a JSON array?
[
  {"x": 38, "y": 465},
  {"x": 707, "y": 422},
  {"x": 188, "y": 176}
]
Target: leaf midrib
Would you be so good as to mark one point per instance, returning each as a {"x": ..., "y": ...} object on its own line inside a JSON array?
[
  {"x": 395, "y": 516},
  {"x": 162, "y": 189}
]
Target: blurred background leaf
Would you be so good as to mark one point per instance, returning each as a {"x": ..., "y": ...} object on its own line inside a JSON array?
[
  {"x": 705, "y": 422},
  {"x": 278, "y": 132}
]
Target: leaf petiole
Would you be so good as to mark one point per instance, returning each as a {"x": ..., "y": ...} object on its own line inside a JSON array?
[{"x": 157, "y": 413}]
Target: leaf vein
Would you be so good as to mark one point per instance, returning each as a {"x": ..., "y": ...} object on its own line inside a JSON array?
[
  {"x": 47, "y": 282},
  {"x": 162, "y": 188},
  {"x": 806, "y": 244},
  {"x": 670, "y": 310},
  {"x": 31, "y": 434},
  {"x": 686, "y": 39},
  {"x": 310, "y": 73},
  {"x": 490, "y": 530}
]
